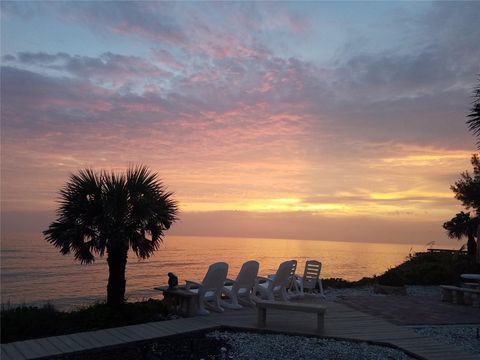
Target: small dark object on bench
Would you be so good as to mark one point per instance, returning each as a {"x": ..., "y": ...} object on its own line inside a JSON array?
[{"x": 172, "y": 280}]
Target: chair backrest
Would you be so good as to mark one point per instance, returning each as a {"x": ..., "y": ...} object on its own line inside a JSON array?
[
  {"x": 311, "y": 274},
  {"x": 215, "y": 276},
  {"x": 247, "y": 275},
  {"x": 284, "y": 273}
]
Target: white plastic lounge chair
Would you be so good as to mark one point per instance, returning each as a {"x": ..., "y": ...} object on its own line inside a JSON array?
[
  {"x": 311, "y": 276},
  {"x": 210, "y": 289},
  {"x": 241, "y": 290},
  {"x": 277, "y": 284},
  {"x": 293, "y": 288}
]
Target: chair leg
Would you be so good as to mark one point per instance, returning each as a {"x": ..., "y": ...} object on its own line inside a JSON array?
[
  {"x": 249, "y": 300},
  {"x": 321, "y": 288},
  {"x": 217, "y": 306},
  {"x": 201, "y": 308},
  {"x": 232, "y": 304}
]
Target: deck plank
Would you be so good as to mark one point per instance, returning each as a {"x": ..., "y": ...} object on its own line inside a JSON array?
[
  {"x": 30, "y": 349},
  {"x": 59, "y": 344},
  {"x": 10, "y": 352},
  {"x": 69, "y": 341}
]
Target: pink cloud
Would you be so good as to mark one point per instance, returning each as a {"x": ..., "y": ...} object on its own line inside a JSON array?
[{"x": 167, "y": 59}]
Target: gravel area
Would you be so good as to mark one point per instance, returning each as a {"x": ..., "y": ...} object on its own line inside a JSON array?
[
  {"x": 251, "y": 346},
  {"x": 465, "y": 336}
]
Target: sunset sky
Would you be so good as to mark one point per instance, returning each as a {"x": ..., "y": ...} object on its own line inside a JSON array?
[{"x": 317, "y": 120}]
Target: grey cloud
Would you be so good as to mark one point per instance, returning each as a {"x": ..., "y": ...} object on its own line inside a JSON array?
[
  {"x": 33, "y": 101},
  {"x": 145, "y": 19},
  {"x": 132, "y": 18},
  {"x": 108, "y": 67},
  {"x": 8, "y": 58},
  {"x": 22, "y": 9},
  {"x": 41, "y": 58}
]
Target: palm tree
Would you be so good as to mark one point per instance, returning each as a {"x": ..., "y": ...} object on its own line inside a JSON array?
[
  {"x": 467, "y": 188},
  {"x": 462, "y": 225},
  {"x": 474, "y": 121},
  {"x": 106, "y": 212}
]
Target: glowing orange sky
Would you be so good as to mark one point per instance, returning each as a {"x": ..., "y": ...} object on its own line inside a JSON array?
[{"x": 243, "y": 115}]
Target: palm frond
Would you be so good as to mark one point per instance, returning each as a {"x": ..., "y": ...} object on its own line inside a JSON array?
[
  {"x": 474, "y": 117},
  {"x": 102, "y": 210}
]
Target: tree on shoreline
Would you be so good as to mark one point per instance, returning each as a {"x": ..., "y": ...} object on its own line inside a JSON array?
[
  {"x": 467, "y": 190},
  {"x": 112, "y": 213},
  {"x": 462, "y": 225}
]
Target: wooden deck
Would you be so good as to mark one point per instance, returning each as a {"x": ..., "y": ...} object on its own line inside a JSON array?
[{"x": 341, "y": 321}]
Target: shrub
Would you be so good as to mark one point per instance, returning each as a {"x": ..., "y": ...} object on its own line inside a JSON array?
[
  {"x": 28, "y": 322},
  {"x": 430, "y": 268},
  {"x": 391, "y": 278}
]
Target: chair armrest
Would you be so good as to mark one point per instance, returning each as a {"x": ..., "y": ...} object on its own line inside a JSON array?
[
  {"x": 189, "y": 283},
  {"x": 261, "y": 279},
  {"x": 228, "y": 282}
]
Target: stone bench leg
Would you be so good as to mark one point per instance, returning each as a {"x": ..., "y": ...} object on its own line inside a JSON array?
[
  {"x": 467, "y": 298},
  {"x": 262, "y": 317},
  {"x": 458, "y": 297},
  {"x": 476, "y": 300},
  {"x": 447, "y": 295},
  {"x": 188, "y": 306},
  {"x": 320, "y": 321}
]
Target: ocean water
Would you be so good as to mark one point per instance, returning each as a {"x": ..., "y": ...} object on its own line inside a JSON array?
[{"x": 34, "y": 272}]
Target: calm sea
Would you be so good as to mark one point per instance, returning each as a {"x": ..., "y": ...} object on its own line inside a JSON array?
[{"x": 33, "y": 271}]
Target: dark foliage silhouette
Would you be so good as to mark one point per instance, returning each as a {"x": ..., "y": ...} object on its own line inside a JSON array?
[
  {"x": 474, "y": 117},
  {"x": 103, "y": 212},
  {"x": 467, "y": 190},
  {"x": 462, "y": 225}
]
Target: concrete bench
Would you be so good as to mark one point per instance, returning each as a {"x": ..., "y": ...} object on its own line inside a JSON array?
[
  {"x": 456, "y": 295},
  {"x": 263, "y": 305},
  {"x": 180, "y": 301}
]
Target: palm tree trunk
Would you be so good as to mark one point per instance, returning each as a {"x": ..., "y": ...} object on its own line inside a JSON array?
[
  {"x": 478, "y": 243},
  {"x": 117, "y": 262}
]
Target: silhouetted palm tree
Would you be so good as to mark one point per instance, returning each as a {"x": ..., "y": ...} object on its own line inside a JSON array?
[
  {"x": 462, "y": 225},
  {"x": 105, "y": 212},
  {"x": 474, "y": 121},
  {"x": 467, "y": 188}
]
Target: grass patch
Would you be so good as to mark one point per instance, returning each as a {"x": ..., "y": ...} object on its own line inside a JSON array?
[{"x": 29, "y": 322}]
